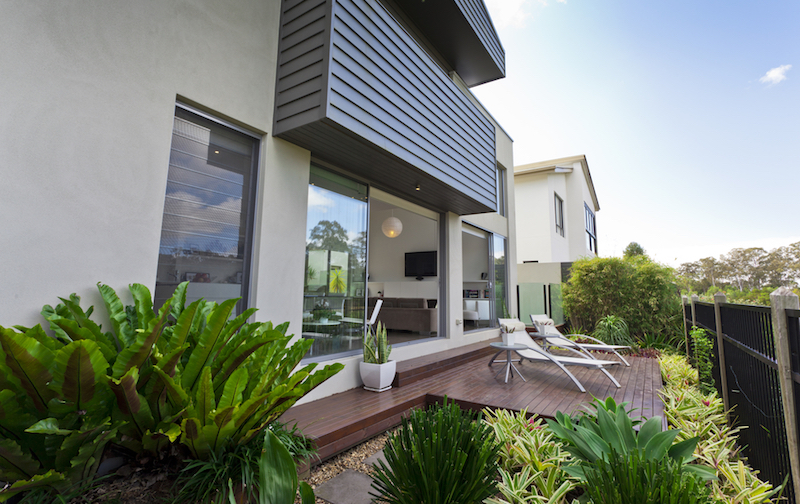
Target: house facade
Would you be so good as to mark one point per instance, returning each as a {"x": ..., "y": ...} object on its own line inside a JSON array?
[
  {"x": 310, "y": 157},
  {"x": 556, "y": 212}
]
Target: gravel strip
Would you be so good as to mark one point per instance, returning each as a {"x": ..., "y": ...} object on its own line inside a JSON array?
[{"x": 350, "y": 459}]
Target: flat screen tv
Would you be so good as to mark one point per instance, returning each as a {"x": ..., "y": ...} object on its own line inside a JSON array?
[{"x": 421, "y": 264}]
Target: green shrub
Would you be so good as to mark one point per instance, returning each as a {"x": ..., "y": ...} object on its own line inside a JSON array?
[
  {"x": 185, "y": 373},
  {"x": 638, "y": 290},
  {"x": 439, "y": 455},
  {"x": 613, "y": 330},
  {"x": 635, "y": 479},
  {"x": 611, "y": 430},
  {"x": 703, "y": 347},
  {"x": 263, "y": 470}
]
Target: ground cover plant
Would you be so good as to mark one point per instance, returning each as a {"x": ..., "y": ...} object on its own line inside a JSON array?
[
  {"x": 439, "y": 455},
  {"x": 186, "y": 374},
  {"x": 695, "y": 413}
]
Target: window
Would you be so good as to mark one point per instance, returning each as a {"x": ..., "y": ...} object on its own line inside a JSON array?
[
  {"x": 501, "y": 191},
  {"x": 559, "y": 203},
  {"x": 591, "y": 229},
  {"x": 206, "y": 228},
  {"x": 500, "y": 276},
  {"x": 336, "y": 263}
]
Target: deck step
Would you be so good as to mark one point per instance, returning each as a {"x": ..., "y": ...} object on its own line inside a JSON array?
[{"x": 419, "y": 368}]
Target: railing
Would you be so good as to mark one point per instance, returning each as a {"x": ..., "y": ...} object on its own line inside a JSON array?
[{"x": 750, "y": 343}]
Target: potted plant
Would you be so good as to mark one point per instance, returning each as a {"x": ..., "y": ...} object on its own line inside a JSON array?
[
  {"x": 377, "y": 371},
  {"x": 507, "y": 333}
]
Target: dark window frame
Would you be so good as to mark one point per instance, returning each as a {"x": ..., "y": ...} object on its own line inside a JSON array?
[
  {"x": 558, "y": 204},
  {"x": 591, "y": 229}
]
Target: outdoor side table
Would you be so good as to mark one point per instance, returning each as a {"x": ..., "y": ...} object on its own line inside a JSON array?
[{"x": 509, "y": 365}]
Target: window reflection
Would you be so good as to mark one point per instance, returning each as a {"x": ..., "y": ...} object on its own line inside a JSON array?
[
  {"x": 335, "y": 273},
  {"x": 207, "y": 210}
]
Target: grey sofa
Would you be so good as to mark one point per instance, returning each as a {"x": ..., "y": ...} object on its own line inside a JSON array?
[{"x": 406, "y": 314}]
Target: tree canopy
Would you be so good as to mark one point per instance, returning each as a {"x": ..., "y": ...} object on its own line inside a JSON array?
[{"x": 745, "y": 269}]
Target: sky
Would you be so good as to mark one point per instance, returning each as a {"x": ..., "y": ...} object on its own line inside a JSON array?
[{"x": 688, "y": 113}]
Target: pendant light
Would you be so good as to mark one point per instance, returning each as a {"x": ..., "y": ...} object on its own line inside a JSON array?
[{"x": 392, "y": 227}]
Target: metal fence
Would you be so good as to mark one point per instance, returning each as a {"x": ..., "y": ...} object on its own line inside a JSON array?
[{"x": 750, "y": 380}]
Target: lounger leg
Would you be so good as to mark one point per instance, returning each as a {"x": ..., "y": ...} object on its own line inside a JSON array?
[
  {"x": 621, "y": 358},
  {"x": 614, "y": 381},
  {"x": 575, "y": 380}
]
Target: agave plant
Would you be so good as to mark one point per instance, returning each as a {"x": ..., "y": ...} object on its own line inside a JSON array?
[{"x": 188, "y": 373}]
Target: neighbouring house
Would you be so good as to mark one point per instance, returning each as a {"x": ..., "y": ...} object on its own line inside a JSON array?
[
  {"x": 308, "y": 156},
  {"x": 556, "y": 212}
]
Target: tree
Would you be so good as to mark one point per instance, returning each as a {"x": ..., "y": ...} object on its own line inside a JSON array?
[
  {"x": 632, "y": 250},
  {"x": 328, "y": 235}
]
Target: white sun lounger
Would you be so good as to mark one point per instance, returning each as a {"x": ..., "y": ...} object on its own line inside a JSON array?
[
  {"x": 536, "y": 353},
  {"x": 553, "y": 337}
]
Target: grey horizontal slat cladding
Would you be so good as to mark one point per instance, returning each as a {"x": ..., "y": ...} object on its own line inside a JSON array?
[
  {"x": 300, "y": 84},
  {"x": 419, "y": 110},
  {"x": 381, "y": 108}
]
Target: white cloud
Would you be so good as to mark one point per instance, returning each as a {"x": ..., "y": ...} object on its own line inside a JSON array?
[
  {"x": 318, "y": 200},
  {"x": 775, "y": 75},
  {"x": 509, "y": 13}
]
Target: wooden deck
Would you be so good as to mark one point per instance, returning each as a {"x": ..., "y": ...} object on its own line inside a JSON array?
[{"x": 343, "y": 420}]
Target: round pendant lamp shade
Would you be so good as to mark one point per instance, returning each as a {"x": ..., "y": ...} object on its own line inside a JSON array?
[{"x": 392, "y": 227}]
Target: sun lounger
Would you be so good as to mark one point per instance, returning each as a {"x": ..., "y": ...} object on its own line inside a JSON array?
[
  {"x": 553, "y": 337},
  {"x": 536, "y": 353}
]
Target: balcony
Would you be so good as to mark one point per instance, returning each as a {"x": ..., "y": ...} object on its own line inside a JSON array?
[{"x": 358, "y": 91}]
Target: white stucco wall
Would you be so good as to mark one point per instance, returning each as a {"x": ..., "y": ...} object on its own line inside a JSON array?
[
  {"x": 533, "y": 218},
  {"x": 88, "y": 103}
]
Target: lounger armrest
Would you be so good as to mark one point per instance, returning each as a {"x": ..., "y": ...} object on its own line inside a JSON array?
[{"x": 572, "y": 344}]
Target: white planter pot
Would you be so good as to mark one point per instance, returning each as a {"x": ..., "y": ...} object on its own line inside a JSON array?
[
  {"x": 508, "y": 338},
  {"x": 377, "y": 377}
]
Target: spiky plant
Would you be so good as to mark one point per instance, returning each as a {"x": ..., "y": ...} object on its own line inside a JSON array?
[{"x": 376, "y": 345}]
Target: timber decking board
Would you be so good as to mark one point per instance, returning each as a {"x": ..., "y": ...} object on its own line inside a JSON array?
[{"x": 343, "y": 420}]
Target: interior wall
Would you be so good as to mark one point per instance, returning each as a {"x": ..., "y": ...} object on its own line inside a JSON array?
[
  {"x": 475, "y": 257},
  {"x": 387, "y": 255}
]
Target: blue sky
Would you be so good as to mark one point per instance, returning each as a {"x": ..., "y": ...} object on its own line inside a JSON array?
[{"x": 692, "y": 144}]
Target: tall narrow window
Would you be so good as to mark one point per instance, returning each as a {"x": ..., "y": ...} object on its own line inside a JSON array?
[
  {"x": 559, "y": 203},
  {"x": 591, "y": 229},
  {"x": 501, "y": 191},
  {"x": 500, "y": 276},
  {"x": 336, "y": 263},
  {"x": 208, "y": 211}
]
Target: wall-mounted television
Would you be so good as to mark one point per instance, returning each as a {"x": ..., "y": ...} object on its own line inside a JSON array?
[{"x": 421, "y": 264}]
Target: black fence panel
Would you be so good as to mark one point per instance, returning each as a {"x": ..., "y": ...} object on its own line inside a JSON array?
[
  {"x": 704, "y": 313},
  {"x": 793, "y": 326},
  {"x": 755, "y": 396},
  {"x": 754, "y": 390},
  {"x": 749, "y": 325}
]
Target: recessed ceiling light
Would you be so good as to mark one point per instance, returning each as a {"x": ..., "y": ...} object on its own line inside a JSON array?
[{"x": 216, "y": 152}]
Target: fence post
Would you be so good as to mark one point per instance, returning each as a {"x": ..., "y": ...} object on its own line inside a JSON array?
[
  {"x": 720, "y": 298},
  {"x": 781, "y": 300},
  {"x": 685, "y": 301}
]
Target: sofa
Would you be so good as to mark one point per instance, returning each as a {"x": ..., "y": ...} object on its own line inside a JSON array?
[{"x": 406, "y": 314}]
